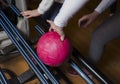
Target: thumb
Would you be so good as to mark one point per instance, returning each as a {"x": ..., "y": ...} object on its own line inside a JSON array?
[
  {"x": 62, "y": 38},
  {"x": 49, "y": 21}
]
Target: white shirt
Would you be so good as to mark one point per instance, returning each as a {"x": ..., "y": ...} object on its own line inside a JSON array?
[
  {"x": 46, "y": 4},
  {"x": 70, "y": 7},
  {"x": 104, "y": 4}
]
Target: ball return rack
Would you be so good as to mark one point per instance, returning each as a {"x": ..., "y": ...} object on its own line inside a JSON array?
[{"x": 37, "y": 68}]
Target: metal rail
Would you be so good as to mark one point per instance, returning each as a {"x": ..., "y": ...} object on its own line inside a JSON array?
[
  {"x": 3, "y": 79},
  {"x": 95, "y": 72},
  {"x": 26, "y": 50}
]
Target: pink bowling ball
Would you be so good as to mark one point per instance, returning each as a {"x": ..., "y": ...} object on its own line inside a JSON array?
[{"x": 51, "y": 50}]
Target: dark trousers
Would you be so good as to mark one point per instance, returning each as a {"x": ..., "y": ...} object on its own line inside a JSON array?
[{"x": 106, "y": 32}]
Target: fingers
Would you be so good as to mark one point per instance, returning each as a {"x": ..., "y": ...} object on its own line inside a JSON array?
[
  {"x": 50, "y": 22},
  {"x": 51, "y": 29},
  {"x": 88, "y": 19},
  {"x": 26, "y": 14},
  {"x": 62, "y": 37},
  {"x": 83, "y": 22},
  {"x": 57, "y": 29},
  {"x": 80, "y": 20},
  {"x": 87, "y": 24},
  {"x": 30, "y": 13}
]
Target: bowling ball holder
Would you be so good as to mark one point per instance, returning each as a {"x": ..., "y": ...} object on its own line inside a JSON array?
[
  {"x": 45, "y": 74},
  {"x": 3, "y": 72}
]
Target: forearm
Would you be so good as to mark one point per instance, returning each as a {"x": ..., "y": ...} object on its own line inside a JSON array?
[
  {"x": 69, "y": 8},
  {"x": 44, "y": 6},
  {"x": 104, "y": 4}
]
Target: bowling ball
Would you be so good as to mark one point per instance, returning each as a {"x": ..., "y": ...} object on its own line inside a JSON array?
[{"x": 51, "y": 50}]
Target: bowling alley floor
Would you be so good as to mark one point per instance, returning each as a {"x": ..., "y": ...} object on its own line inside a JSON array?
[{"x": 80, "y": 39}]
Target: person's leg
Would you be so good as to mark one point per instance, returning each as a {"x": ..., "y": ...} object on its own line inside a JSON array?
[
  {"x": 113, "y": 8},
  {"x": 52, "y": 12},
  {"x": 107, "y": 31}
]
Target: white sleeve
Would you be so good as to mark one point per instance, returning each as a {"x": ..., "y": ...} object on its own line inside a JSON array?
[
  {"x": 104, "y": 4},
  {"x": 69, "y": 8},
  {"x": 44, "y": 6}
]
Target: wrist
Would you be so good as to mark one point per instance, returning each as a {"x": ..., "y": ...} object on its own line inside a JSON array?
[
  {"x": 95, "y": 13},
  {"x": 59, "y": 25}
]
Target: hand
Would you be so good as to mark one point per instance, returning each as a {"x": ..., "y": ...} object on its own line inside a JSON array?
[
  {"x": 30, "y": 13},
  {"x": 87, "y": 19},
  {"x": 57, "y": 29}
]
